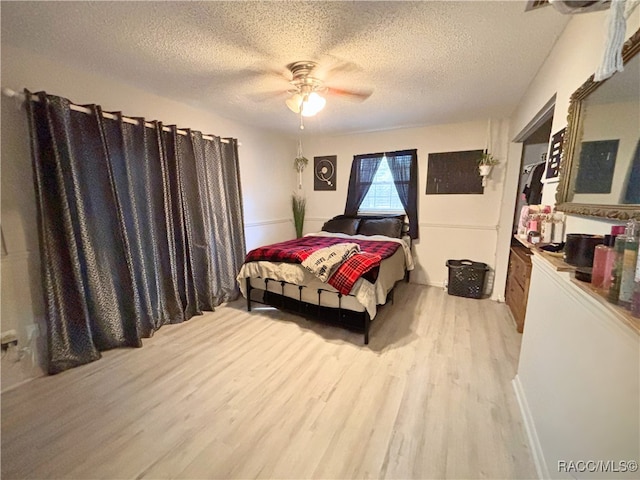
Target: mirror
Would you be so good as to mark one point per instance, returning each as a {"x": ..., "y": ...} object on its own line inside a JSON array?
[{"x": 600, "y": 166}]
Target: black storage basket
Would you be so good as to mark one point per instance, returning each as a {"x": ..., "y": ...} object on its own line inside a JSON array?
[{"x": 466, "y": 278}]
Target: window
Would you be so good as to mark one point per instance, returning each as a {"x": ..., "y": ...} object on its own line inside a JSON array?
[
  {"x": 382, "y": 196},
  {"x": 385, "y": 183}
]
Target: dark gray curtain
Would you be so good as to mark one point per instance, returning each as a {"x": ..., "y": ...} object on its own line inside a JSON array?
[
  {"x": 138, "y": 227},
  {"x": 363, "y": 171},
  {"x": 404, "y": 169}
]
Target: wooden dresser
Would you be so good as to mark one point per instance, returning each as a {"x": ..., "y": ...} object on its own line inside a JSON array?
[{"x": 518, "y": 277}]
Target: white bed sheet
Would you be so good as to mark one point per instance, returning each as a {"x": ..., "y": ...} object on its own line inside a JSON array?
[{"x": 364, "y": 294}]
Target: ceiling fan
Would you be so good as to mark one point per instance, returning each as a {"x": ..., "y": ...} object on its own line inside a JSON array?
[
  {"x": 570, "y": 6},
  {"x": 308, "y": 87}
]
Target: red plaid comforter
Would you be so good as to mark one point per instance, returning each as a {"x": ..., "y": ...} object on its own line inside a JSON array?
[{"x": 297, "y": 250}]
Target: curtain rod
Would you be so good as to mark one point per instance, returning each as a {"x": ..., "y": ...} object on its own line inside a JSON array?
[{"x": 7, "y": 92}]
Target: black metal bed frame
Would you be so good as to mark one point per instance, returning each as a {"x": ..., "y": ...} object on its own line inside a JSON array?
[{"x": 349, "y": 319}]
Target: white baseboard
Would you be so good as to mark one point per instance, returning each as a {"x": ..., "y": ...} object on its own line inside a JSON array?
[
  {"x": 532, "y": 435},
  {"x": 13, "y": 386},
  {"x": 441, "y": 285}
]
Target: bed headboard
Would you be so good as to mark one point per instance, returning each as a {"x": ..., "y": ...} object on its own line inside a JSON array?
[{"x": 393, "y": 226}]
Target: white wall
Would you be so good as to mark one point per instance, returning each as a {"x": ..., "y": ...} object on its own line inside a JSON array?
[
  {"x": 451, "y": 226},
  {"x": 578, "y": 378},
  {"x": 265, "y": 164},
  {"x": 573, "y": 59},
  {"x": 569, "y": 374}
]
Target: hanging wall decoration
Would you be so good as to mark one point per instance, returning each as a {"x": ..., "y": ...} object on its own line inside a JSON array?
[
  {"x": 555, "y": 153},
  {"x": 454, "y": 173},
  {"x": 324, "y": 169},
  {"x": 299, "y": 163}
]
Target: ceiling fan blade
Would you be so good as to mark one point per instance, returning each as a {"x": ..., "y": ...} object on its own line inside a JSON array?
[
  {"x": 340, "y": 67},
  {"x": 330, "y": 65},
  {"x": 357, "y": 95},
  {"x": 281, "y": 73},
  {"x": 265, "y": 96},
  {"x": 533, "y": 4}
]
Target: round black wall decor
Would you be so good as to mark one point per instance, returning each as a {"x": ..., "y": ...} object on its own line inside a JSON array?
[{"x": 324, "y": 172}]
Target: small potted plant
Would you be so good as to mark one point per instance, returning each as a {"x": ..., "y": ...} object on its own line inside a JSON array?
[
  {"x": 485, "y": 164},
  {"x": 486, "y": 161},
  {"x": 299, "y": 163}
]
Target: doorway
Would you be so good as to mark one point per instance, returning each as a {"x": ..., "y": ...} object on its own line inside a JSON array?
[
  {"x": 532, "y": 167},
  {"x": 535, "y": 140}
]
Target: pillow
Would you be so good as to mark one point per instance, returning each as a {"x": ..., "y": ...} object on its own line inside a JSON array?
[
  {"x": 391, "y": 227},
  {"x": 342, "y": 225}
]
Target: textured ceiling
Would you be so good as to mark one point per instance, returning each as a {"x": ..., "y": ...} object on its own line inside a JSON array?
[{"x": 426, "y": 62}]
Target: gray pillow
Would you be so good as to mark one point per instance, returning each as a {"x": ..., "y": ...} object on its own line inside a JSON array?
[
  {"x": 342, "y": 225},
  {"x": 391, "y": 227}
]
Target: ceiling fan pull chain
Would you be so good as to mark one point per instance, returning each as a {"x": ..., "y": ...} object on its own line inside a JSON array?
[{"x": 301, "y": 121}]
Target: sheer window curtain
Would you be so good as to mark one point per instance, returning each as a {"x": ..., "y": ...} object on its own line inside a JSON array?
[
  {"x": 363, "y": 171},
  {"x": 138, "y": 227}
]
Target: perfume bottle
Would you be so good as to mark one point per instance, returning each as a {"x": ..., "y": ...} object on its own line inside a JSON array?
[
  {"x": 616, "y": 270},
  {"x": 603, "y": 258},
  {"x": 629, "y": 261},
  {"x": 635, "y": 303},
  {"x": 618, "y": 230},
  {"x": 558, "y": 228}
]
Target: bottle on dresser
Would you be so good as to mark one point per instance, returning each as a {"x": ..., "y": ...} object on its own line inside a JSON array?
[
  {"x": 603, "y": 258},
  {"x": 629, "y": 261},
  {"x": 635, "y": 304},
  {"x": 557, "y": 235},
  {"x": 616, "y": 270},
  {"x": 546, "y": 229}
]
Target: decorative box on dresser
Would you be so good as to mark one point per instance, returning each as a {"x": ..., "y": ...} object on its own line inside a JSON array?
[{"x": 518, "y": 277}]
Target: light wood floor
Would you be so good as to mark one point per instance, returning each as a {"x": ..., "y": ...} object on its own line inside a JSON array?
[{"x": 266, "y": 394}]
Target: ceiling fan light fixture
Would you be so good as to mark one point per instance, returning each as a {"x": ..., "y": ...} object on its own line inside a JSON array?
[
  {"x": 312, "y": 104},
  {"x": 294, "y": 103},
  {"x": 307, "y": 92}
]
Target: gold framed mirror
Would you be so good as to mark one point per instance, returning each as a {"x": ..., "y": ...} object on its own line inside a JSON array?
[{"x": 600, "y": 165}]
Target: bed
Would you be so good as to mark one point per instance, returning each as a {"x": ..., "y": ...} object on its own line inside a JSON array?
[{"x": 285, "y": 275}]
